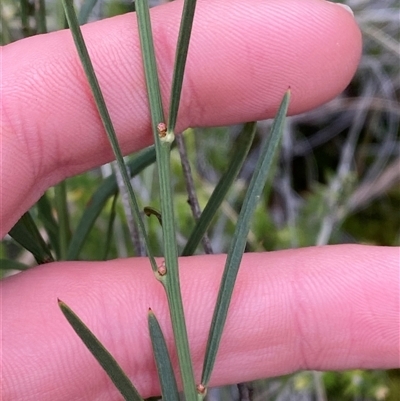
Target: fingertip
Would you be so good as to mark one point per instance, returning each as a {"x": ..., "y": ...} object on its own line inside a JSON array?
[
  {"x": 256, "y": 50},
  {"x": 346, "y": 7}
]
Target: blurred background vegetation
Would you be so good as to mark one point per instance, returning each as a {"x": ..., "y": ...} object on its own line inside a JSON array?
[{"x": 336, "y": 181}]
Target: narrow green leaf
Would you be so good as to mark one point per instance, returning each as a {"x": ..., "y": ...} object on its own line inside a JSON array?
[
  {"x": 170, "y": 277},
  {"x": 64, "y": 230},
  {"x": 7, "y": 33},
  {"x": 107, "y": 189},
  {"x": 169, "y": 387},
  {"x": 150, "y": 211},
  {"x": 8, "y": 264},
  {"x": 182, "y": 49},
  {"x": 26, "y": 233},
  {"x": 191, "y": 190},
  {"x": 25, "y": 13},
  {"x": 110, "y": 226},
  {"x": 85, "y": 10},
  {"x": 150, "y": 66},
  {"x": 238, "y": 244},
  {"x": 106, "y": 119},
  {"x": 242, "y": 148},
  {"x": 40, "y": 16},
  {"x": 45, "y": 215},
  {"x": 103, "y": 357}
]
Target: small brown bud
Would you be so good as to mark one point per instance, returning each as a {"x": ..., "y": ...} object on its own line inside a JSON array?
[
  {"x": 162, "y": 270},
  {"x": 201, "y": 389},
  {"x": 162, "y": 130}
]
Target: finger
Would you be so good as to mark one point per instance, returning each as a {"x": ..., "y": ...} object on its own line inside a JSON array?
[
  {"x": 324, "y": 308},
  {"x": 243, "y": 57}
]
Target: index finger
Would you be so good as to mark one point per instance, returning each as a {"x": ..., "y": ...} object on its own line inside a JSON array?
[{"x": 243, "y": 56}]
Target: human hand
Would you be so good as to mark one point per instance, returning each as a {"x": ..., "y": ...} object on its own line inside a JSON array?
[{"x": 315, "y": 308}]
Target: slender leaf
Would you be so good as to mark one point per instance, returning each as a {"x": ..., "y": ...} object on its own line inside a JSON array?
[
  {"x": 8, "y": 264},
  {"x": 242, "y": 148},
  {"x": 85, "y": 10},
  {"x": 182, "y": 49},
  {"x": 40, "y": 16},
  {"x": 170, "y": 274},
  {"x": 45, "y": 215},
  {"x": 7, "y": 33},
  {"x": 110, "y": 226},
  {"x": 26, "y": 8},
  {"x": 238, "y": 244},
  {"x": 150, "y": 67},
  {"x": 107, "y": 189},
  {"x": 103, "y": 357},
  {"x": 191, "y": 190},
  {"x": 106, "y": 119},
  {"x": 64, "y": 230},
  {"x": 169, "y": 387},
  {"x": 26, "y": 233}
]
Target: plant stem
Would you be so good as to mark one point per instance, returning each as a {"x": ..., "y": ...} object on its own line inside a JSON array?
[{"x": 170, "y": 277}]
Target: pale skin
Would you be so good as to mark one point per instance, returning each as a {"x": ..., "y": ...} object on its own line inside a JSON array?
[{"x": 334, "y": 307}]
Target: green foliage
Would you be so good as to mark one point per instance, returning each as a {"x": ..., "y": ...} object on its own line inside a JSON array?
[
  {"x": 366, "y": 225},
  {"x": 163, "y": 132},
  {"x": 105, "y": 359},
  {"x": 116, "y": 7},
  {"x": 262, "y": 169},
  {"x": 169, "y": 387},
  {"x": 356, "y": 384}
]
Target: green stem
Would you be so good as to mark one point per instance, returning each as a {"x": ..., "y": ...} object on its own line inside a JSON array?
[{"x": 163, "y": 140}]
